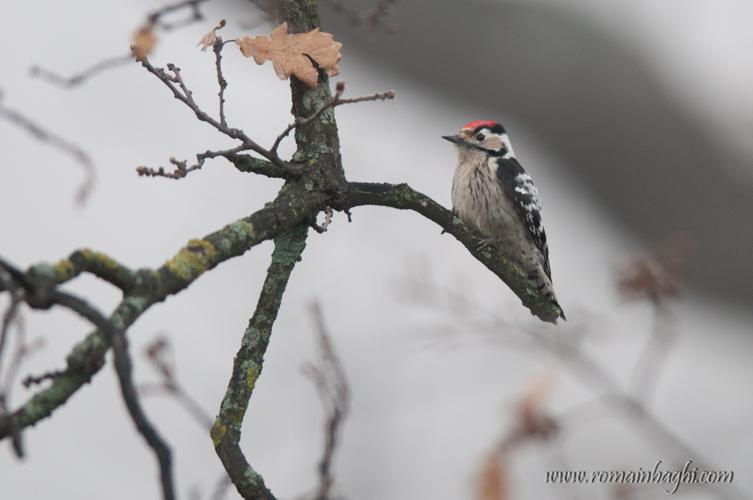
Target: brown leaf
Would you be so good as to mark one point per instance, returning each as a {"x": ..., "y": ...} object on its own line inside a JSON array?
[
  {"x": 211, "y": 37},
  {"x": 143, "y": 42},
  {"x": 533, "y": 421},
  {"x": 293, "y": 54},
  {"x": 492, "y": 480},
  {"x": 645, "y": 277}
]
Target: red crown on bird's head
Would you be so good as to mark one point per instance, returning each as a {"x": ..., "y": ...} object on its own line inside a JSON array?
[{"x": 479, "y": 123}]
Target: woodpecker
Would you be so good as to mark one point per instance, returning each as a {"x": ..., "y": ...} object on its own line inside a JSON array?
[{"x": 492, "y": 192}]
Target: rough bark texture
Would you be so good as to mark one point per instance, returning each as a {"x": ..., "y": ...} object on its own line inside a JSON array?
[
  {"x": 147, "y": 287},
  {"x": 226, "y": 431},
  {"x": 318, "y": 151}
]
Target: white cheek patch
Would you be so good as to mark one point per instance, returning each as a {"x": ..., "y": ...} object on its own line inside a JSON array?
[{"x": 508, "y": 146}]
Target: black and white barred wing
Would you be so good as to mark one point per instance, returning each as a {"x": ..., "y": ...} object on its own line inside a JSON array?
[{"x": 519, "y": 187}]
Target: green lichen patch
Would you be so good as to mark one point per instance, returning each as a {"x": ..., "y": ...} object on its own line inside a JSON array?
[
  {"x": 64, "y": 270},
  {"x": 241, "y": 230},
  {"x": 106, "y": 260},
  {"x": 251, "y": 376},
  {"x": 217, "y": 432},
  {"x": 192, "y": 260},
  {"x": 87, "y": 254}
]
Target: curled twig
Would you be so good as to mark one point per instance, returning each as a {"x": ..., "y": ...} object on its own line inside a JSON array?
[
  {"x": 182, "y": 168},
  {"x": 54, "y": 140},
  {"x": 78, "y": 78},
  {"x": 154, "y": 19},
  {"x": 159, "y": 354}
]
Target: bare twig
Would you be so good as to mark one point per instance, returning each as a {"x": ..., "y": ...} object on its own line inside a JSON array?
[
  {"x": 329, "y": 378},
  {"x": 174, "y": 81},
  {"x": 23, "y": 351},
  {"x": 124, "y": 368},
  {"x": 336, "y": 100},
  {"x": 654, "y": 354},
  {"x": 153, "y": 19},
  {"x": 217, "y": 47},
  {"x": 158, "y": 353},
  {"x": 11, "y": 312},
  {"x": 79, "y": 78},
  {"x": 182, "y": 168},
  {"x": 42, "y": 134},
  {"x": 649, "y": 277},
  {"x": 31, "y": 380}
]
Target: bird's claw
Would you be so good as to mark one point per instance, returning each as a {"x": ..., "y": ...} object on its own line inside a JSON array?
[{"x": 486, "y": 243}]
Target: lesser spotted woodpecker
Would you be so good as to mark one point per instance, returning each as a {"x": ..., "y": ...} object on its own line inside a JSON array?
[{"x": 492, "y": 191}]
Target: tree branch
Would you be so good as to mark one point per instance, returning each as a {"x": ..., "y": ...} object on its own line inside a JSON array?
[
  {"x": 87, "y": 261},
  {"x": 153, "y": 19},
  {"x": 54, "y": 140},
  {"x": 248, "y": 163},
  {"x": 328, "y": 376},
  {"x": 290, "y": 209},
  {"x": 335, "y": 101},
  {"x": 44, "y": 294},
  {"x": 77, "y": 79},
  {"x": 226, "y": 431},
  {"x": 123, "y": 368},
  {"x": 174, "y": 81},
  {"x": 402, "y": 196}
]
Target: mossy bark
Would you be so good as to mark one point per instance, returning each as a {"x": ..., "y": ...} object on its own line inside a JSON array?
[
  {"x": 247, "y": 367},
  {"x": 147, "y": 287}
]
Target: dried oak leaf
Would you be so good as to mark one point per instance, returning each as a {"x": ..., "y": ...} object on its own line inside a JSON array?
[
  {"x": 211, "y": 37},
  {"x": 143, "y": 42},
  {"x": 293, "y": 54}
]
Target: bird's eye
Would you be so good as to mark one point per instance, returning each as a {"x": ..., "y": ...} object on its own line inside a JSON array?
[{"x": 480, "y": 137}]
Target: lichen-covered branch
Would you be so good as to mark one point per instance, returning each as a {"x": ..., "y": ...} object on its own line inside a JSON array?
[
  {"x": 226, "y": 431},
  {"x": 251, "y": 164},
  {"x": 402, "y": 196},
  {"x": 318, "y": 146},
  {"x": 87, "y": 261},
  {"x": 289, "y": 210},
  {"x": 43, "y": 294}
]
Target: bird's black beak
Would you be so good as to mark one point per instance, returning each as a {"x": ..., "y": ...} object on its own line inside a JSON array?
[{"x": 455, "y": 139}]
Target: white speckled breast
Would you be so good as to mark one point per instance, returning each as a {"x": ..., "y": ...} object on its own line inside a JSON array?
[{"x": 478, "y": 199}]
